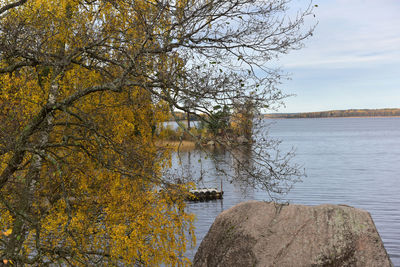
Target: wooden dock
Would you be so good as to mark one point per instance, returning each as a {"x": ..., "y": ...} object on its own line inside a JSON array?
[{"x": 205, "y": 194}]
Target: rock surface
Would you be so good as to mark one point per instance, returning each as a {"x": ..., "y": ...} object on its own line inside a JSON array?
[{"x": 269, "y": 234}]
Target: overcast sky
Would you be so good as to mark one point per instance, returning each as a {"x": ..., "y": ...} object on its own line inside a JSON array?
[{"x": 352, "y": 61}]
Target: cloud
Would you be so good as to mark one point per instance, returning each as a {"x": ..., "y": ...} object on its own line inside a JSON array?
[
  {"x": 362, "y": 61},
  {"x": 357, "y": 33}
]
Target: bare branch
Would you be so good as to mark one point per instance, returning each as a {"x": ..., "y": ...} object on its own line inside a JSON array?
[{"x": 12, "y": 5}]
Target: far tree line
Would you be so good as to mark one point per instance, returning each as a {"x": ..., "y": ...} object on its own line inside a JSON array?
[{"x": 386, "y": 112}]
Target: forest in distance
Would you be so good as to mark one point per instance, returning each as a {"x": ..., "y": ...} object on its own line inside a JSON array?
[{"x": 385, "y": 112}]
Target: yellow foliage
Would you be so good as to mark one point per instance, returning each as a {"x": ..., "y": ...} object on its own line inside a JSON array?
[{"x": 97, "y": 197}]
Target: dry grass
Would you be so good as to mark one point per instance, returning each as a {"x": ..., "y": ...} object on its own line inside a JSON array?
[{"x": 183, "y": 145}]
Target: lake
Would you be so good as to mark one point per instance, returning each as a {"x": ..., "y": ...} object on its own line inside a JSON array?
[{"x": 353, "y": 161}]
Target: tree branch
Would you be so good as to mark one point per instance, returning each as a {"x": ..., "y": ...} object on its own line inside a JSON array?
[{"x": 12, "y": 5}]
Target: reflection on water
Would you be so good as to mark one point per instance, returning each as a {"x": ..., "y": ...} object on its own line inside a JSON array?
[{"x": 353, "y": 161}]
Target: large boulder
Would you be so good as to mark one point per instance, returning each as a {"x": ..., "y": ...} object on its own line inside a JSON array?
[{"x": 269, "y": 234}]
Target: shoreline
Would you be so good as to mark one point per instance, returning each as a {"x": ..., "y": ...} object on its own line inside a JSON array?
[
  {"x": 183, "y": 145},
  {"x": 339, "y": 117}
]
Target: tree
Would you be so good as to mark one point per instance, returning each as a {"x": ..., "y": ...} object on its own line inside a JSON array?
[
  {"x": 218, "y": 120},
  {"x": 242, "y": 119},
  {"x": 82, "y": 85}
]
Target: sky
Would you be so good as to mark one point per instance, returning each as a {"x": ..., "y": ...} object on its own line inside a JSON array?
[{"x": 352, "y": 60}]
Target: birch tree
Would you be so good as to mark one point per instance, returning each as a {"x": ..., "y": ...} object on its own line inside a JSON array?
[{"x": 82, "y": 86}]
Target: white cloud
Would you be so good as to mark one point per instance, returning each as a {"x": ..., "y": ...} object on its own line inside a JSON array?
[
  {"x": 350, "y": 34},
  {"x": 340, "y": 61}
]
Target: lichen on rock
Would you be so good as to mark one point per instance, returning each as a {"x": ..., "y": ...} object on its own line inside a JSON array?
[{"x": 269, "y": 234}]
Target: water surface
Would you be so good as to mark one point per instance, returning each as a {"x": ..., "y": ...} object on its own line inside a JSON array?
[{"x": 353, "y": 161}]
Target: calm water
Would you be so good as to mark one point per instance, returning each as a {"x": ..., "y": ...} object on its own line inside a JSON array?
[{"x": 353, "y": 161}]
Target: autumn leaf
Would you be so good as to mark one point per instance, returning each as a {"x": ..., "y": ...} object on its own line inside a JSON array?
[{"x": 7, "y": 233}]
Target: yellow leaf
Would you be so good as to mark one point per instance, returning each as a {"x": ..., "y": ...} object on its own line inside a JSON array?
[{"x": 8, "y": 232}]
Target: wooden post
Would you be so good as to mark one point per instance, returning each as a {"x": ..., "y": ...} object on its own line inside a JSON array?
[{"x": 188, "y": 120}]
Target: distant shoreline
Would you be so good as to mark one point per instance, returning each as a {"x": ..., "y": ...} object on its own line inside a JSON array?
[
  {"x": 353, "y": 117},
  {"x": 349, "y": 113}
]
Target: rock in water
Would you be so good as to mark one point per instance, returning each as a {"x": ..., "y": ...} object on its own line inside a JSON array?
[{"x": 269, "y": 234}]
